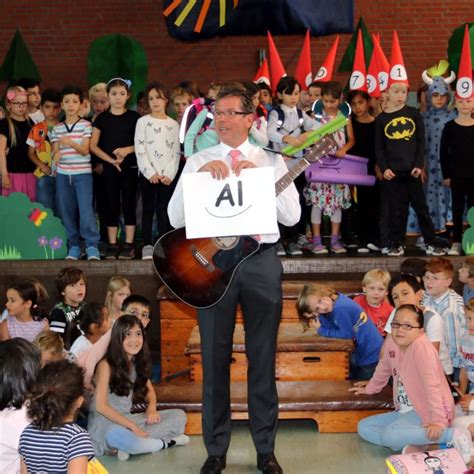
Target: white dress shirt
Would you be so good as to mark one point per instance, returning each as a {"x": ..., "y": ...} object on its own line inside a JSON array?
[{"x": 288, "y": 207}]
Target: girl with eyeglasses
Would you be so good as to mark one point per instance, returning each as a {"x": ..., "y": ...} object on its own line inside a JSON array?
[
  {"x": 424, "y": 406},
  {"x": 15, "y": 166}
]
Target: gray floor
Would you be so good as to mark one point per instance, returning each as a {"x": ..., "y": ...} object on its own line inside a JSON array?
[{"x": 300, "y": 449}]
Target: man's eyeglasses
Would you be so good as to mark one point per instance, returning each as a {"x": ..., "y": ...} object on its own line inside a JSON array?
[
  {"x": 406, "y": 327},
  {"x": 19, "y": 104},
  {"x": 228, "y": 113}
]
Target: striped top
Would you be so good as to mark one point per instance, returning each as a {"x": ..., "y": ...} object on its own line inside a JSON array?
[
  {"x": 50, "y": 451},
  {"x": 72, "y": 162},
  {"x": 27, "y": 330}
]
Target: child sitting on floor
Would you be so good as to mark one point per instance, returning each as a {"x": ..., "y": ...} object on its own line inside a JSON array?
[
  {"x": 466, "y": 276},
  {"x": 332, "y": 314},
  {"x": 424, "y": 406},
  {"x": 374, "y": 300}
]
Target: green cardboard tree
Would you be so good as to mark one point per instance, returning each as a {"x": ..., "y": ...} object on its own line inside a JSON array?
[
  {"x": 455, "y": 46},
  {"x": 468, "y": 237},
  {"x": 18, "y": 62},
  {"x": 348, "y": 58},
  {"x": 118, "y": 56},
  {"x": 29, "y": 231}
]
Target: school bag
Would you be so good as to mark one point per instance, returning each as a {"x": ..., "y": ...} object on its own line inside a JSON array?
[{"x": 190, "y": 114}]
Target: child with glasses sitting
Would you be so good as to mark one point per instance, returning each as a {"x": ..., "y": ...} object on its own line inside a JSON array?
[
  {"x": 439, "y": 296},
  {"x": 424, "y": 406}
]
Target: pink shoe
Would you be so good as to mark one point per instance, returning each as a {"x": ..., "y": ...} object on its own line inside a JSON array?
[{"x": 337, "y": 247}]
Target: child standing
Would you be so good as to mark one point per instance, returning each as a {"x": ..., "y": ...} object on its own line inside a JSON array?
[
  {"x": 39, "y": 148},
  {"x": 19, "y": 366},
  {"x": 180, "y": 101},
  {"x": 435, "y": 117},
  {"x": 122, "y": 378},
  {"x": 424, "y": 406},
  {"x": 325, "y": 198},
  {"x": 32, "y": 89},
  {"x": 335, "y": 315},
  {"x": 374, "y": 300},
  {"x": 24, "y": 318},
  {"x": 113, "y": 142},
  {"x": 64, "y": 316},
  {"x": 457, "y": 150},
  {"x": 368, "y": 197},
  {"x": 118, "y": 289},
  {"x": 53, "y": 442},
  {"x": 15, "y": 167},
  {"x": 466, "y": 276},
  {"x": 70, "y": 141},
  {"x": 99, "y": 99},
  {"x": 439, "y": 296},
  {"x": 287, "y": 125},
  {"x": 399, "y": 148},
  {"x": 158, "y": 154}
]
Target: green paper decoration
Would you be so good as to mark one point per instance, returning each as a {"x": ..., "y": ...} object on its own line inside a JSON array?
[
  {"x": 348, "y": 59},
  {"x": 18, "y": 62},
  {"x": 468, "y": 237},
  {"x": 29, "y": 231},
  {"x": 455, "y": 46},
  {"x": 118, "y": 56}
]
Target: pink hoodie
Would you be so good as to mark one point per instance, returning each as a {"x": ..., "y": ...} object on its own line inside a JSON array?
[{"x": 423, "y": 377}]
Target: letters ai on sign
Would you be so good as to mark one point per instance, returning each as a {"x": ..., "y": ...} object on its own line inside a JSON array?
[{"x": 243, "y": 205}]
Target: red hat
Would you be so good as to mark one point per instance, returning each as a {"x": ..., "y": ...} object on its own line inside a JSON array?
[
  {"x": 398, "y": 72},
  {"x": 263, "y": 75},
  {"x": 383, "y": 64},
  {"x": 277, "y": 71},
  {"x": 373, "y": 86},
  {"x": 358, "y": 80},
  {"x": 464, "y": 83},
  {"x": 325, "y": 72},
  {"x": 303, "y": 72}
]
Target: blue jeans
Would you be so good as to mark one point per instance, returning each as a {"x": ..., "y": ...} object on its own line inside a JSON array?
[
  {"x": 45, "y": 192},
  {"x": 394, "y": 430},
  {"x": 73, "y": 197}
]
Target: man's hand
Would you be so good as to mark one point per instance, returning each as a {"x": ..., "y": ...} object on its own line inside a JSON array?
[
  {"x": 217, "y": 168},
  {"x": 388, "y": 175},
  {"x": 241, "y": 164}
]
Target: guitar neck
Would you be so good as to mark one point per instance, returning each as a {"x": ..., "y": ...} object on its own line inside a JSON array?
[{"x": 292, "y": 174}]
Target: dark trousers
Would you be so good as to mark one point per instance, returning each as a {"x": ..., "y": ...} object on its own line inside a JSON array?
[
  {"x": 257, "y": 287},
  {"x": 384, "y": 219},
  {"x": 402, "y": 191},
  {"x": 121, "y": 195},
  {"x": 155, "y": 198},
  {"x": 368, "y": 213},
  {"x": 462, "y": 190},
  {"x": 291, "y": 234}
]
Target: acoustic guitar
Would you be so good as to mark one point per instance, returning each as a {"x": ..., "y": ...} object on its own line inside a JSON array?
[{"x": 199, "y": 271}]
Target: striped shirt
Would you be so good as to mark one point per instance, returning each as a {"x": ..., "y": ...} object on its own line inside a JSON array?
[
  {"x": 451, "y": 308},
  {"x": 27, "y": 330},
  {"x": 71, "y": 161},
  {"x": 51, "y": 451}
]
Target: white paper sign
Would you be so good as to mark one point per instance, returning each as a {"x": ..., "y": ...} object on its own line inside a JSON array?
[{"x": 243, "y": 205}]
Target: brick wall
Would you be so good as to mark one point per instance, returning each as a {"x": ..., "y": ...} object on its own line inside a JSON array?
[{"x": 59, "y": 33}]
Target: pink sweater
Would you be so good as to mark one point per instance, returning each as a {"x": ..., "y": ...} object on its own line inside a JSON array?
[{"x": 423, "y": 377}]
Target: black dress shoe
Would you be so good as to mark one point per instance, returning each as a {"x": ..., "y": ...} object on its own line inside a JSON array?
[
  {"x": 268, "y": 464},
  {"x": 213, "y": 465}
]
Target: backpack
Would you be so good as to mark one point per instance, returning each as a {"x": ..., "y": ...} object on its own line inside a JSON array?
[
  {"x": 281, "y": 119},
  {"x": 192, "y": 112}
]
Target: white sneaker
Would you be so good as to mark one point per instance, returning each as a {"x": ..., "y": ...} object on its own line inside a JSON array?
[
  {"x": 147, "y": 252},
  {"x": 280, "y": 249},
  {"x": 302, "y": 241},
  {"x": 372, "y": 246},
  {"x": 434, "y": 251},
  {"x": 396, "y": 252},
  {"x": 384, "y": 250},
  {"x": 294, "y": 250},
  {"x": 462, "y": 441},
  {"x": 455, "y": 249},
  {"x": 363, "y": 250},
  {"x": 122, "y": 455},
  {"x": 181, "y": 440}
]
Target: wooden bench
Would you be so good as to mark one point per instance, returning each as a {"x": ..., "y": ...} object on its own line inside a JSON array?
[
  {"x": 300, "y": 355},
  {"x": 328, "y": 403}
]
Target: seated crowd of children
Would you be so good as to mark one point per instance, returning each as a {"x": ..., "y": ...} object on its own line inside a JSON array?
[
  {"x": 88, "y": 363},
  {"x": 93, "y": 158}
]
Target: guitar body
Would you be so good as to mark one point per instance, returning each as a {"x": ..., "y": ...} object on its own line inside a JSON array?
[{"x": 198, "y": 271}]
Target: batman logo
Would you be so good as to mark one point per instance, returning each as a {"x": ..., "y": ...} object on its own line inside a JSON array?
[{"x": 400, "y": 128}]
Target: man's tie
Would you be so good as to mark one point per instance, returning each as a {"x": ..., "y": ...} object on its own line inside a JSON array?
[{"x": 234, "y": 155}]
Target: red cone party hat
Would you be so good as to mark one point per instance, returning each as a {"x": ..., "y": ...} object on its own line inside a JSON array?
[
  {"x": 263, "y": 74},
  {"x": 373, "y": 87},
  {"x": 325, "y": 72},
  {"x": 277, "y": 71},
  {"x": 303, "y": 72},
  {"x": 357, "y": 81},
  {"x": 398, "y": 73},
  {"x": 383, "y": 64},
  {"x": 464, "y": 83}
]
